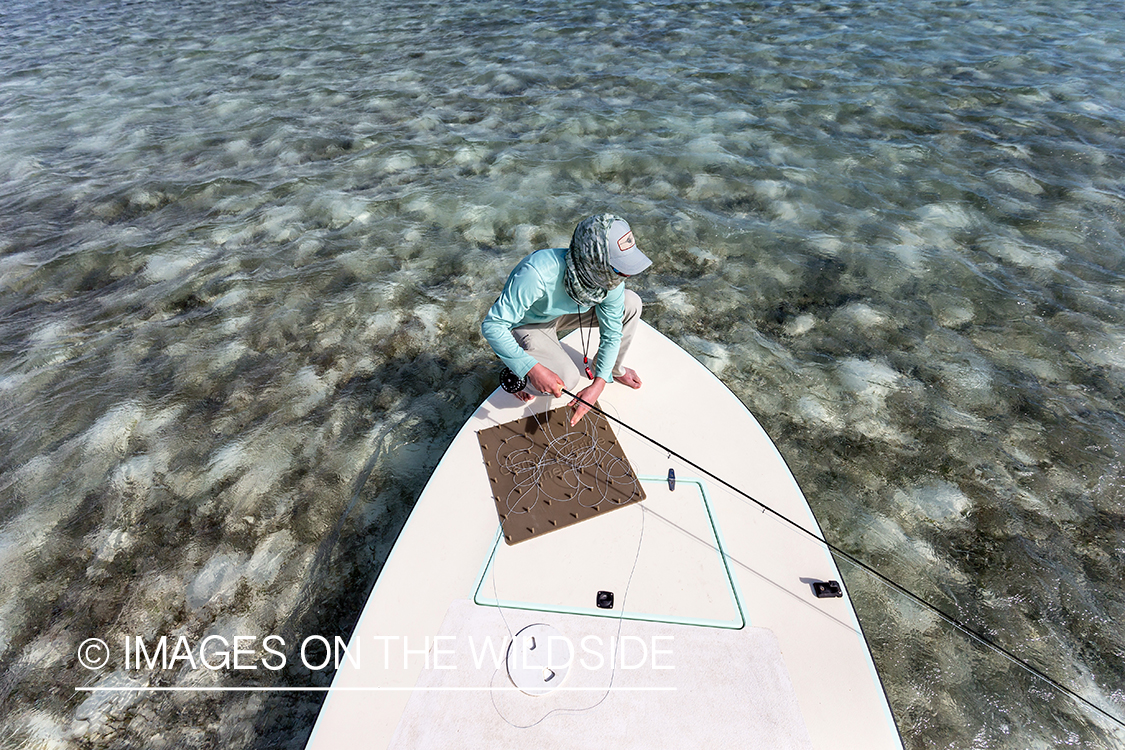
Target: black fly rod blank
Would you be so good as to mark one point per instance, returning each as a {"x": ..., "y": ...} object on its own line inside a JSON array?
[{"x": 971, "y": 632}]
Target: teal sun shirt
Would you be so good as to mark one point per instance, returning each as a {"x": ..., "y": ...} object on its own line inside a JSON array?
[{"x": 534, "y": 293}]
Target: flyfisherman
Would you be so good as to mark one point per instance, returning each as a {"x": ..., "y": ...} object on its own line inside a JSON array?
[{"x": 563, "y": 289}]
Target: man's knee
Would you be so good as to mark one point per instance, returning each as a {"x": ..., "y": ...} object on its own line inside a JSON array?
[
  {"x": 632, "y": 306},
  {"x": 571, "y": 377}
]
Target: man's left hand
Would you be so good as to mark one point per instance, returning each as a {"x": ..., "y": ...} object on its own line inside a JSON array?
[{"x": 589, "y": 394}]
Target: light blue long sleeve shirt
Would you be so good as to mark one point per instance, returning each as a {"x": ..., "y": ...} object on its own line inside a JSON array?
[{"x": 535, "y": 293}]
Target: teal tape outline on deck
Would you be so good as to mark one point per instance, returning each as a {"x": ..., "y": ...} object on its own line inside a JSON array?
[{"x": 486, "y": 600}]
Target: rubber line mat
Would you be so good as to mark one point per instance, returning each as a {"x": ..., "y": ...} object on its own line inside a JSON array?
[{"x": 546, "y": 475}]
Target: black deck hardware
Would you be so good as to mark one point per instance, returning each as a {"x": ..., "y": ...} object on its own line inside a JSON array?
[
  {"x": 827, "y": 589},
  {"x": 605, "y": 600},
  {"x": 671, "y": 480}
]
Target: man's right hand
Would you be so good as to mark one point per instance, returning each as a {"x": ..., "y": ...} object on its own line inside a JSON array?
[{"x": 544, "y": 380}]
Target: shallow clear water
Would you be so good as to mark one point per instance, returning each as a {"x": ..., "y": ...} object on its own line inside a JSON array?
[{"x": 245, "y": 248}]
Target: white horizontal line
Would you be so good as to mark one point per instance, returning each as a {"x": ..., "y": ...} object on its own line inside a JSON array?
[{"x": 313, "y": 689}]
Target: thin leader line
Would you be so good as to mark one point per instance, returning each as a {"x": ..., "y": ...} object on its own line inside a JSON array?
[{"x": 979, "y": 637}]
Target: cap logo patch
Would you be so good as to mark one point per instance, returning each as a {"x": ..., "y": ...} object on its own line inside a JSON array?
[{"x": 626, "y": 242}]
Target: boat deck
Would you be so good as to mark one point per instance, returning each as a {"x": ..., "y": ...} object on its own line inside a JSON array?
[{"x": 729, "y": 584}]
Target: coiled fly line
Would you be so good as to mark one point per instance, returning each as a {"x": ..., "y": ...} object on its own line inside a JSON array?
[
  {"x": 551, "y": 463},
  {"x": 580, "y": 463}
]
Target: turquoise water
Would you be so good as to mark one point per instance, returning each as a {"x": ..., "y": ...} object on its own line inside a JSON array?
[{"x": 245, "y": 248}]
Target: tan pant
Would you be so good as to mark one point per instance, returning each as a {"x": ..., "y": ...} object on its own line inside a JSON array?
[{"x": 541, "y": 341}]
